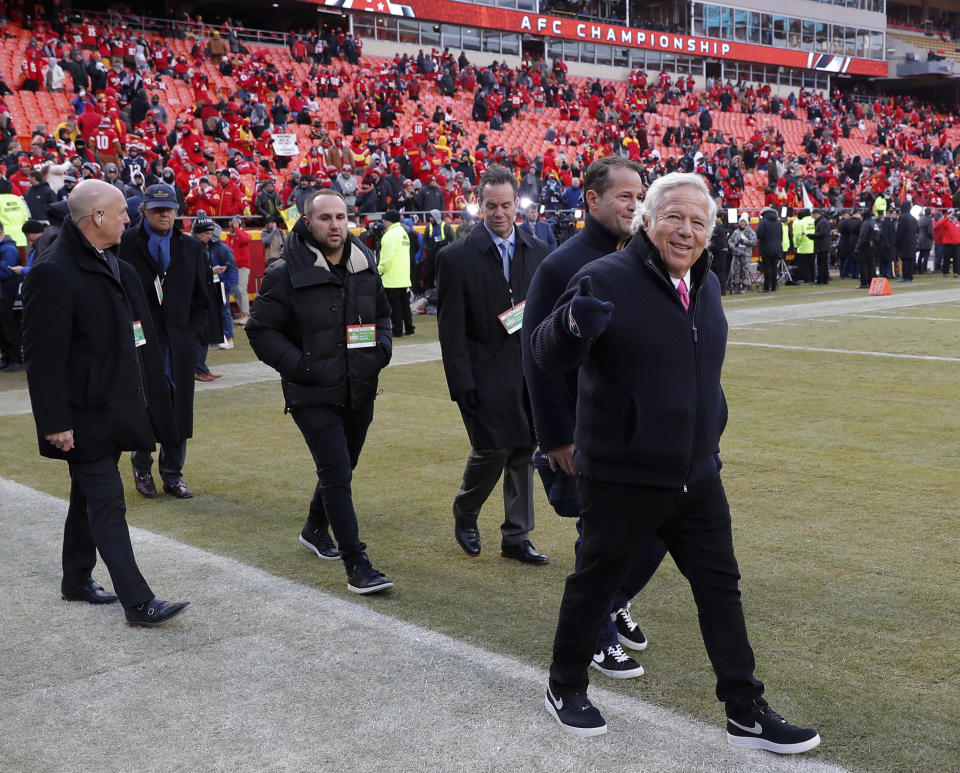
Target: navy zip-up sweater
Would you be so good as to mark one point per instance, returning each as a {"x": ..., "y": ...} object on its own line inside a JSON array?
[
  {"x": 554, "y": 398},
  {"x": 650, "y": 408}
]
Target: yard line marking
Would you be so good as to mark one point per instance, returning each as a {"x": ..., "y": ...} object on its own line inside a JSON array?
[
  {"x": 261, "y": 662},
  {"x": 845, "y": 351},
  {"x": 897, "y": 316}
]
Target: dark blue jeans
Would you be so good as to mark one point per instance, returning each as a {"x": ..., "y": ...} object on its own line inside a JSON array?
[
  {"x": 618, "y": 521},
  {"x": 96, "y": 520},
  {"x": 335, "y": 438}
]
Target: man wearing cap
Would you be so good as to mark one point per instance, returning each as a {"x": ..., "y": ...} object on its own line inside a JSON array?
[
  {"x": 394, "y": 268},
  {"x": 741, "y": 242},
  {"x": 203, "y": 229},
  {"x": 169, "y": 265},
  {"x": 267, "y": 203}
]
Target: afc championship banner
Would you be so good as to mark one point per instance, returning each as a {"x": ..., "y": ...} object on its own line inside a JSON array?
[{"x": 483, "y": 16}]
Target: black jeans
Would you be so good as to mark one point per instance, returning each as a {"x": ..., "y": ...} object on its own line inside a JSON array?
[
  {"x": 401, "y": 319},
  {"x": 805, "y": 261},
  {"x": 950, "y": 256},
  {"x": 335, "y": 438},
  {"x": 96, "y": 520},
  {"x": 645, "y": 565},
  {"x": 618, "y": 521},
  {"x": 9, "y": 330}
]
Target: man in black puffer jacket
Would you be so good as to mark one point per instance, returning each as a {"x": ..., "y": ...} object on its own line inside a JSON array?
[
  {"x": 650, "y": 412},
  {"x": 322, "y": 320}
]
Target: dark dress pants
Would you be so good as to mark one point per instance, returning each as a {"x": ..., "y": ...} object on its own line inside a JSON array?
[
  {"x": 9, "y": 332},
  {"x": 907, "y": 265},
  {"x": 335, "y": 438},
  {"x": 950, "y": 257},
  {"x": 96, "y": 520},
  {"x": 806, "y": 266},
  {"x": 169, "y": 463},
  {"x": 823, "y": 268},
  {"x": 618, "y": 521},
  {"x": 868, "y": 267},
  {"x": 644, "y": 567},
  {"x": 770, "y": 272},
  {"x": 483, "y": 470},
  {"x": 401, "y": 319}
]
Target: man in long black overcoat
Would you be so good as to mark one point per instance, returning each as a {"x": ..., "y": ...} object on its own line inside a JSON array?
[
  {"x": 482, "y": 281},
  {"x": 97, "y": 388},
  {"x": 170, "y": 267}
]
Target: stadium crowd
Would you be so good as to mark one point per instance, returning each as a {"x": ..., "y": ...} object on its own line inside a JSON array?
[{"x": 220, "y": 157}]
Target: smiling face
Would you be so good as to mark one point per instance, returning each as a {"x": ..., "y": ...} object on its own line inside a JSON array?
[
  {"x": 680, "y": 227},
  {"x": 616, "y": 206}
]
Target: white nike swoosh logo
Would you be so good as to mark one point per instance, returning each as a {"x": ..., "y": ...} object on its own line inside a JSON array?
[
  {"x": 558, "y": 702},
  {"x": 598, "y": 657},
  {"x": 756, "y": 729}
]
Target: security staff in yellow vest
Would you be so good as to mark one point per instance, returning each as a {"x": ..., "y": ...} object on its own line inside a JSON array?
[
  {"x": 803, "y": 228},
  {"x": 13, "y": 214},
  {"x": 394, "y": 268}
]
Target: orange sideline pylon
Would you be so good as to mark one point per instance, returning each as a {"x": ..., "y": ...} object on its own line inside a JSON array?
[{"x": 880, "y": 286}]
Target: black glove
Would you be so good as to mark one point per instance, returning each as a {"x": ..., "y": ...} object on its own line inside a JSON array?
[{"x": 588, "y": 316}]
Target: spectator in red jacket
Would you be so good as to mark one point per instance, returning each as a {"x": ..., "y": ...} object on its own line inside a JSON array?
[
  {"x": 239, "y": 241},
  {"x": 231, "y": 196}
]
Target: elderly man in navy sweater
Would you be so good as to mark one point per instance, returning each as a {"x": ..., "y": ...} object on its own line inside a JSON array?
[
  {"x": 650, "y": 413},
  {"x": 614, "y": 187}
]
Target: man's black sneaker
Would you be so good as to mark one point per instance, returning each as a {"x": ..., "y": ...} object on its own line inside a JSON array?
[
  {"x": 616, "y": 663},
  {"x": 628, "y": 631},
  {"x": 318, "y": 540},
  {"x": 575, "y": 713},
  {"x": 762, "y": 728},
  {"x": 363, "y": 578}
]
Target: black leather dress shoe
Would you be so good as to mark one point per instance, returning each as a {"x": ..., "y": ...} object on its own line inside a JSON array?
[
  {"x": 88, "y": 591},
  {"x": 468, "y": 537},
  {"x": 525, "y": 552},
  {"x": 154, "y": 612},
  {"x": 145, "y": 485},
  {"x": 178, "y": 489}
]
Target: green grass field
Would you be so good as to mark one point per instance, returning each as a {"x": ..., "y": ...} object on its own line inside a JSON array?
[{"x": 837, "y": 467}]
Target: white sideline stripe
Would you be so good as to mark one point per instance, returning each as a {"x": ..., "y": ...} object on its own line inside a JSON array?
[
  {"x": 845, "y": 351},
  {"x": 17, "y": 401},
  {"x": 913, "y": 319},
  {"x": 738, "y": 317},
  {"x": 283, "y": 676}
]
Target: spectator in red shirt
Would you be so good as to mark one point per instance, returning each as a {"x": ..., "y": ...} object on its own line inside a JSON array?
[{"x": 239, "y": 241}]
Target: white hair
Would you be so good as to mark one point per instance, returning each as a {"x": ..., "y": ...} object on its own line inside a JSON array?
[{"x": 647, "y": 212}]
